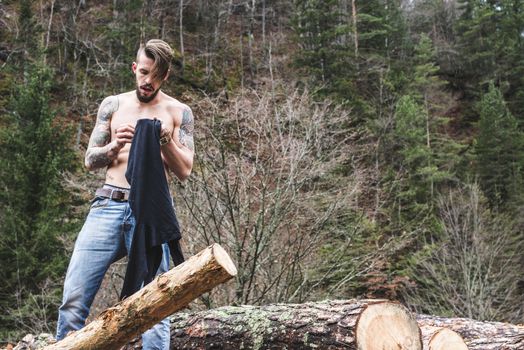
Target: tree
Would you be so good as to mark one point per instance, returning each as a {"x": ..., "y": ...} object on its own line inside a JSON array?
[
  {"x": 321, "y": 28},
  {"x": 252, "y": 189},
  {"x": 468, "y": 270},
  {"x": 425, "y": 156},
  {"x": 492, "y": 48},
  {"x": 35, "y": 207},
  {"x": 499, "y": 150},
  {"x": 415, "y": 155}
]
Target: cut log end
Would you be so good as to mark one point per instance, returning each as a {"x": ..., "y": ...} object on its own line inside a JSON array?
[
  {"x": 223, "y": 259},
  {"x": 446, "y": 339},
  {"x": 387, "y": 325},
  {"x": 440, "y": 338}
]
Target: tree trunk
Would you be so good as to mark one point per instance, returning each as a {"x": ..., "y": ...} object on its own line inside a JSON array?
[
  {"x": 438, "y": 338},
  {"x": 479, "y": 335},
  {"x": 355, "y": 31},
  {"x": 350, "y": 324},
  {"x": 166, "y": 294},
  {"x": 181, "y": 30}
]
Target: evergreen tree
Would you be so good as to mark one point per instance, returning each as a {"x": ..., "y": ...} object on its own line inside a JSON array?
[
  {"x": 35, "y": 206},
  {"x": 29, "y": 30},
  {"x": 325, "y": 52},
  {"x": 352, "y": 53},
  {"x": 499, "y": 150},
  {"x": 415, "y": 156},
  {"x": 426, "y": 153},
  {"x": 491, "y": 45},
  {"x": 425, "y": 70}
]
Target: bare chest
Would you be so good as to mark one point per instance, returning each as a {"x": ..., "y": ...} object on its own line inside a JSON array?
[{"x": 130, "y": 115}]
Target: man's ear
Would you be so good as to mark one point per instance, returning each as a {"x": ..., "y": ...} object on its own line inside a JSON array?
[
  {"x": 167, "y": 74},
  {"x": 133, "y": 67}
]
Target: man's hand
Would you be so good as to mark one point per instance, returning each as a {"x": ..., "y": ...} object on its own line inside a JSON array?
[
  {"x": 123, "y": 134},
  {"x": 165, "y": 134},
  {"x": 178, "y": 152}
]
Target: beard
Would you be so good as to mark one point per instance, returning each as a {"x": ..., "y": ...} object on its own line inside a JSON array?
[{"x": 146, "y": 99}]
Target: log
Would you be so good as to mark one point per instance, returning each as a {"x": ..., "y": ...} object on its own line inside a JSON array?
[
  {"x": 166, "y": 294},
  {"x": 342, "y": 324},
  {"x": 479, "y": 335},
  {"x": 439, "y": 338}
]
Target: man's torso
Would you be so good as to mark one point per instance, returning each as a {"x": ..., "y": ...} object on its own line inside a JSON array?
[{"x": 168, "y": 110}]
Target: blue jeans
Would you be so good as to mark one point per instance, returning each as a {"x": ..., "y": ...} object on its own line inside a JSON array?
[{"x": 105, "y": 238}]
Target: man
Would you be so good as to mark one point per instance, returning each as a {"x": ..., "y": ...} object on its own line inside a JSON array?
[{"x": 107, "y": 232}]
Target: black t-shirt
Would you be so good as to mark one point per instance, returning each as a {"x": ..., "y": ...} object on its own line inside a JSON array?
[{"x": 152, "y": 206}]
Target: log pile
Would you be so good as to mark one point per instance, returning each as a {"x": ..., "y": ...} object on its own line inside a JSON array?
[
  {"x": 479, "y": 335},
  {"x": 331, "y": 325},
  {"x": 363, "y": 324},
  {"x": 341, "y": 324},
  {"x": 336, "y": 324}
]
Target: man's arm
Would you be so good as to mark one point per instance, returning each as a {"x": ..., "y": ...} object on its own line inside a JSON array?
[
  {"x": 101, "y": 151},
  {"x": 179, "y": 151}
]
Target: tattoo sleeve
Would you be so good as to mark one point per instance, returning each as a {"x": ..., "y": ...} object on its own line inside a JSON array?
[
  {"x": 100, "y": 152},
  {"x": 186, "y": 129}
]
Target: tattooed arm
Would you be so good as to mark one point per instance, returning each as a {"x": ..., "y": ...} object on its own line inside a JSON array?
[
  {"x": 101, "y": 151},
  {"x": 178, "y": 153}
]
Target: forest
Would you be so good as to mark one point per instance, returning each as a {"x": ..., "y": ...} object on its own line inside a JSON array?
[{"x": 344, "y": 148}]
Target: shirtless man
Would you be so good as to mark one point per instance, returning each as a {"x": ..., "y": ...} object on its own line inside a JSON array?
[{"x": 107, "y": 233}]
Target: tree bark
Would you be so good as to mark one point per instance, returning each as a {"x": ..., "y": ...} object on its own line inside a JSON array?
[
  {"x": 349, "y": 324},
  {"x": 166, "y": 294},
  {"x": 479, "y": 335}
]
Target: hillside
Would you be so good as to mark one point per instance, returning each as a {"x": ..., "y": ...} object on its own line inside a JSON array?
[{"x": 344, "y": 148}]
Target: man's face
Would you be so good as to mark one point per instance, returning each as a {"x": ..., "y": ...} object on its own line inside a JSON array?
[{"x": 146, "y": 87}]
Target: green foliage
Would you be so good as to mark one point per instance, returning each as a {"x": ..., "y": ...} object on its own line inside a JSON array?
[
  {"x": 499, "y": 150},
  {"x": 34, "y": 154},
  {"x": 416, "y": 157},
  {"x": 425, "y": 154},
  {"x": 28, "y": 26},
  {"x": 352, "y": 62},
  {"x": 347, "y": 257},
  {"x": 325, "y": 48},
  {"x": 425, "y": 70},
  {"x": 492, "y": 48},
  {"x": 410, "y": 73}
]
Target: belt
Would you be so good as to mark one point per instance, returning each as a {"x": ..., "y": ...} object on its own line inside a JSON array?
[{"x": 112, "y": 193}]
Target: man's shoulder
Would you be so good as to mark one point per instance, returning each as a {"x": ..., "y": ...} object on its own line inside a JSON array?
[
  {"x": 174, "y": 105},
  {"x": 124, "y": 97},
  {"x": 116, "y": 100}
]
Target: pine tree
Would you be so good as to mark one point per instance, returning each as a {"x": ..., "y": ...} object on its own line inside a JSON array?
[
  {"x": 351, "y": 52},
  {"x": 324, "y": 53},
  {"x": 499, "y": 150},
  {"x": 426, "y": 153},
  {"x": 34, "y": 215},
  {"x": 491, "y": 46},
  {"x": 415, "y": 155}
]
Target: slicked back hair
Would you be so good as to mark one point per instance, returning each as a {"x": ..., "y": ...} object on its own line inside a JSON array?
[{"x": 161, "y": 53}]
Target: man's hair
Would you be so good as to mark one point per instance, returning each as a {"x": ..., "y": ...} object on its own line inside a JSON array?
[{"x": 161, "y": 53}]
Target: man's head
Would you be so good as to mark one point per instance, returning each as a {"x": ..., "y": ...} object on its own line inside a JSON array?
[{"x": 151, "y": 69}]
